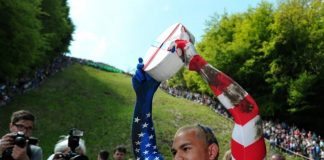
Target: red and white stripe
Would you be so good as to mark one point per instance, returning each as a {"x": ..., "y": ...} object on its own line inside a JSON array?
[{"x": 247, "y": 142}]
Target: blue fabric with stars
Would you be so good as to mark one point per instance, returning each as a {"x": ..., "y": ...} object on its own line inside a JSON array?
[{"x": 143, "y": 134}]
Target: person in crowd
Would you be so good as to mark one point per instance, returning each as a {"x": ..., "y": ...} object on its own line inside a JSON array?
[
  {"x": 62, "y": 151},
  {"x": 316, "y": 150},
  {"x": 103, "y": 155},
  {"x": 277, "y": 156},
  {"x": 119, "y": 153},
  {"x": 17, "y": 144},
  {"x": 227, "y": 155}
]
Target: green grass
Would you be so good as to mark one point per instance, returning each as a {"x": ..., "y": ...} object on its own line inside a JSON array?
[{"x": 101, "y": 103}]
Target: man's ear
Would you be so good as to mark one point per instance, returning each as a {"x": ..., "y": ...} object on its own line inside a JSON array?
[{"x": 213, "y": 151}]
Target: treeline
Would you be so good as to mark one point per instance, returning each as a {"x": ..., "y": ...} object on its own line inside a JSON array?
[
  {"x": 32, "y": 34},
  {"x": 275, "y": 52}
]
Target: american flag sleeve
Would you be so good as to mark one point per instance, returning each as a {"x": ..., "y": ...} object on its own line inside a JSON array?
[
  {"x": 143, "y": 134},
  {"x": 247, "y": 142}
]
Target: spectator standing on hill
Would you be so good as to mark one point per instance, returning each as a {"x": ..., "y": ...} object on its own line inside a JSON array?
[
  {"x": 227, "y": 155},
  {"x": 316, "y": 151},
  {"x": 21, "y": 125},
  {"x": 103, "y": 155},
  {"x": 62, "y": 150},
  {"x": 277, "y": 156},
  {"x": 119, "y": 153}
]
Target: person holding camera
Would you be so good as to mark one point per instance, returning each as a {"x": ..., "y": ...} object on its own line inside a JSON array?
[
  {"x": 70, "y": 147},
  {"x": 18, "y": 144}
]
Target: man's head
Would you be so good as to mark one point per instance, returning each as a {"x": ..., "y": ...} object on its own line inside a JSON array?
[
  {"x": 119, "y": 153},
  {"x": 62, "y": 146},
  {"x": 103, "y": 155},
  {"x": 23, "y": 121},
  {"x": 195, "y": 142}
]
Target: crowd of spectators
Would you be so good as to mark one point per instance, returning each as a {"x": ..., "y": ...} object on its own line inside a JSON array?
[
  {"x": 203, "y": 99},
  {"x": 294, "y": 140},
  {"x": 290, "y": 139},
  {"x": 27, "y": 81}
]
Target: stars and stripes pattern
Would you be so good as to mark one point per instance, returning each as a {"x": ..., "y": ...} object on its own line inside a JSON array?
[
  {"x": 145, "y": 143},
  {"x": 143, "y": 133}
]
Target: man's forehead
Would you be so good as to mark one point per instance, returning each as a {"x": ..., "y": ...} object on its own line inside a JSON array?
[
  {"x": 191, "y": 131},
  {"x": 185, "y": 137},
  {"x": 25, "y": 122}
]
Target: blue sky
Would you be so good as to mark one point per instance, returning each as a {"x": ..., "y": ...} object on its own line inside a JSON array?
[{"x": 117, "y": 32}]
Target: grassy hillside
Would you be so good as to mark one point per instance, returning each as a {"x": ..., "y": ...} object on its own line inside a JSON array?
[{"x": 101, "y": 103}]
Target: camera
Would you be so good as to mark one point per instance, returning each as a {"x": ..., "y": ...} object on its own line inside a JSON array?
[
  {"x": 74, "y": 138},
  {"x": 70, "y": 156},
  {"x": 73, "y": 143},
  {"x": 67, "y": 156},
  {"x": 21, "y": 140}
]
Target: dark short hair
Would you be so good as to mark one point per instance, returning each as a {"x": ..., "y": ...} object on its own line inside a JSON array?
[
  {"x": 120, "y": 149},
  {"x": 104, "y": 154},
  {"x": 210, "y": 136},
  {"x": 22, "y": 115}
]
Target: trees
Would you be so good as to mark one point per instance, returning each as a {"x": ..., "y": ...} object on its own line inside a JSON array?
[
  {"x": 31, "y": 34},
  {"x": 20, "y": 37},
  {"x": 296, "y": 52},
  {"x": 58, "y": 27}
]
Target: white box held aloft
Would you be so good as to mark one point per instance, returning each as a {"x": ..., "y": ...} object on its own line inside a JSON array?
[{"x": 160, "y": 63}]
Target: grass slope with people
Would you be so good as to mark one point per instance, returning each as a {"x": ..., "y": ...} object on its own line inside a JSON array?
[{"x": 101, "y": 103}]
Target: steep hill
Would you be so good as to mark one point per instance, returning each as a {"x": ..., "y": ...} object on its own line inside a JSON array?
[{"x": 101, "y": 103}]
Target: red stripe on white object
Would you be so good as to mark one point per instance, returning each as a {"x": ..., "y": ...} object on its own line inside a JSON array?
[
  {"x": 158, "y": 49},
  {"x": 222, "y": 81},
  {"x": 242, "y": 113},
  {"x": 255, "y": 151},
  {"x": 246, "y": 110}
]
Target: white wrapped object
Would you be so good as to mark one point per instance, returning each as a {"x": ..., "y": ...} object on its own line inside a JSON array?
[{"x": 160, "y": 63}]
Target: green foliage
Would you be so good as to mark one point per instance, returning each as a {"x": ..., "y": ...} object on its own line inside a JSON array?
[
  {"x": 32, "y": 33},
  {"x": 301, "y": 88},
  {"x": 57, "y": 28},
  {"x": 295, "y": 51},
  {"x": 195, "y": 82},
  {"x": 177, "y": 81},
  {"x": 20, "y": 38}
]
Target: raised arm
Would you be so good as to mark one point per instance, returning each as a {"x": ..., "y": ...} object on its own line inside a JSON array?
[
  {"x": 247, "y": 141},
  {"x": 143, "y": 134}
]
